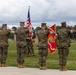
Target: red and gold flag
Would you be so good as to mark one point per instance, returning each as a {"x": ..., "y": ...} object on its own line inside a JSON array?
[{"x": 52, "y": 40}]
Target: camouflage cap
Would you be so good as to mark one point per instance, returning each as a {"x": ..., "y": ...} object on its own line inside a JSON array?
[
  {"x": 43, "y": 24},
  {"x": 4, "y": 24},
  {"x": 63, "y": 24},
  {"x": 22, "y": 22}
]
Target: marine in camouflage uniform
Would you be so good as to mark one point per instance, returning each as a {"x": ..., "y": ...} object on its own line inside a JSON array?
[
  {"x": 21, "y": 35},
  {"x": 30, "y": 49},
  {"x": 3, "y": 45},
  {"x": 28, "y": 45},
  {"x": 42, "y": 36},
  {"x": 63, "y": 45}
]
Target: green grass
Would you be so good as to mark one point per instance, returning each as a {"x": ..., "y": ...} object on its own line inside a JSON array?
[{"x": 52, "y": 59}]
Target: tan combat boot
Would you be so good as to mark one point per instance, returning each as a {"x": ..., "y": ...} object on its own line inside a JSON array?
[
  {"x": 43, "y": 68},
  {"x": 61, "y": 68},
  {"x": 4, "y": 65},
  {"x": 20, "y": 66},
  {"x": 64, "y": 68},
  {"x": 0, "y": 65},
  {"x": 40, "y": 67}
]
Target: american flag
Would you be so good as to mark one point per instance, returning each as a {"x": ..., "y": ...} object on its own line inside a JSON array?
[{"x": 28, "y": 23}]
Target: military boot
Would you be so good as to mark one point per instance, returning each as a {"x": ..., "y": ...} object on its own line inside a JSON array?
[
  {"x": 43, "y": 68},
  {"x": 64, "y": 68},
  {"x": 0, "y": 65},
  {"x": 40, "y": 67},
  {"x": 61, "y": 68},
  {"x": 4, "y": 65},
  {"x": 20, "y": 66}
]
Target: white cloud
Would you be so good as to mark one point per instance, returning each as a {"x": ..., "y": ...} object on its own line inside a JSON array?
[{"x": 53, "y": 11}]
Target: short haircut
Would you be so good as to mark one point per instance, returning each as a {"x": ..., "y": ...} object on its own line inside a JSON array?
[{"x": 43, "y": 24}]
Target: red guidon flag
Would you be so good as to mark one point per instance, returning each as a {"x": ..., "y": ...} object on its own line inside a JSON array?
[
  {"x": 52, "y": 40},
  {"x": 28, "y": 24}
]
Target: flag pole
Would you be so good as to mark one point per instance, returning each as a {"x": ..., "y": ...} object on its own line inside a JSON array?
[{"x": 28, "y": 23}]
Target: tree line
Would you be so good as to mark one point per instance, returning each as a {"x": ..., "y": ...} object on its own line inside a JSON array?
[
  {"x": 35, "y": 30},
  {"x": 72, "y": 35}
]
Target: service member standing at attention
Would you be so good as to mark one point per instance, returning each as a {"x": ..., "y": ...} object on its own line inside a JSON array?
[
  {"x": 21, "y": 35},
  {"x": 4, "y": 33},
  {"x": 42, "y": 36},
  {"x": 63, "y": 37}
]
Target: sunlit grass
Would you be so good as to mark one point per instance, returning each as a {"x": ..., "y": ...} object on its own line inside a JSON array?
[{"x": 52, "y": 59}]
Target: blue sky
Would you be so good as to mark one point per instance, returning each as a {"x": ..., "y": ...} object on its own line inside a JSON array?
[{"x": 49, "y": 11}]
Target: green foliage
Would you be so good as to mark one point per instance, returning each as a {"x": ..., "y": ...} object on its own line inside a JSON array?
[
  {"x": 58, "y": 27},
  {"x": 32, "y": 61},
  {"x": 0, "y": 27},
  {"x": 14, "y": 28},
  {"x": 37, "y": 28},
  {"x": 11, "y": 36},
  {"x": 75, "y": 27}
]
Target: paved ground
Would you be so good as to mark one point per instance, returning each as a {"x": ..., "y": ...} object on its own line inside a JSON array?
[{"x": 33, "y": 71}]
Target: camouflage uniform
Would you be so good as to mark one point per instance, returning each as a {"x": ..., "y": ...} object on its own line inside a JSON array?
[
  {"x": 28, "y": 44},
  {"x": 21, "y": 44},
  {"x": 30, "y": 49},
  {"x": 42, "y": 45},
  {"x": 3, "y": 45},
  {"x": 63, "y": 44}
]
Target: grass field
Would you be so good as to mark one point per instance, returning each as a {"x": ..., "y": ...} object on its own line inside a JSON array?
[{"x": 52, "y": 59}]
